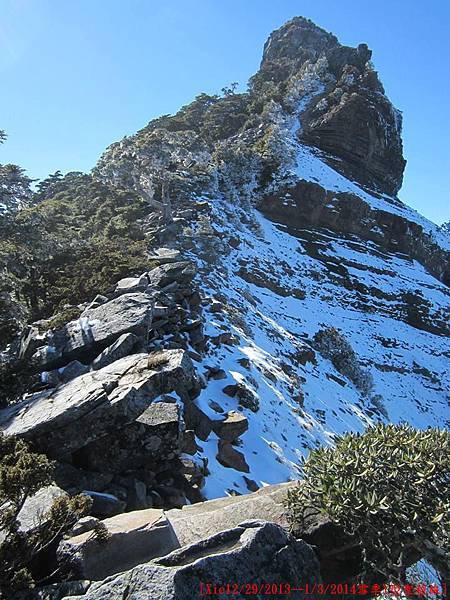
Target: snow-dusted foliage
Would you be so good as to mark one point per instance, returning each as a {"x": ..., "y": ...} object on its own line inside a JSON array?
[{"x": 333, "y": 345}]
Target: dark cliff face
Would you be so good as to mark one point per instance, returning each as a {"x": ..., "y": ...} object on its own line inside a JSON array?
[
  {"x": 352, "y": 121},
  {"x": 313, "y": 207}
]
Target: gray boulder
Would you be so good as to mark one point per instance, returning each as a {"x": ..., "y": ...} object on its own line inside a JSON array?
[
  {"x": 229, "y": 457},
  {"x": 32, "y": 513},
  {"x": 121, "y": 347},
  {"x": 180, "y": 272},
  {"x": 66, "y": 419},
  {"x": 197, "y": 420},
  {"x": 232, "y": 427},
  {"x": 104, "y": 505},
  {"x": 133, "y": 538},
  {"x": 165, "y": 255},
  {"x": 72, "y": 370},
  {"x": 94, "y": 330},
  {"x": 131, "y": 284},
  {"x": 84, "y": 524},
  {"x": 255, "y": 553},
  {"x": 154, "y": 436}
]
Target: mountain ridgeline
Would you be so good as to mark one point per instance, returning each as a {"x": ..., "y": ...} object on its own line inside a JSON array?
[{"x": 228, "y": 289}]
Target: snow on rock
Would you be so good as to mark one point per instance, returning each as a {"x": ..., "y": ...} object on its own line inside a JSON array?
[{"x": 303, "y": 400}]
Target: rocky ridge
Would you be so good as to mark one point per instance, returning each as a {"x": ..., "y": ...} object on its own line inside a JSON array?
[
  {"x": 338, "y": 250},
  {"x": 293, "y": 297}
]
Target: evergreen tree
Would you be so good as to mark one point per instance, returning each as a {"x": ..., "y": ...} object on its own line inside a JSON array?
[
  {"x": 48, "y": 187},
  {"x": 15, "y": 190}
]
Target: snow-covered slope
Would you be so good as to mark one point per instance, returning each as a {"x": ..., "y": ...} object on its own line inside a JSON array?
[
  {"x": 261, "y": 284},
  {"x": 285, "y": 197}
]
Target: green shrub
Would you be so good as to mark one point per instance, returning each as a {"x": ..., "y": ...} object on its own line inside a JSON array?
[
  {"x": 332, "y": 345},
  {"x": 24, "y": 555},
  {"x": 71, "y": 246},
  {"x": 69, "y": 313},
  {"x": 389, "y": 488}
]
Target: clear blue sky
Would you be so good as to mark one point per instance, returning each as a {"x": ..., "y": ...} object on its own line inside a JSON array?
[{"x": 77, "y": 75}]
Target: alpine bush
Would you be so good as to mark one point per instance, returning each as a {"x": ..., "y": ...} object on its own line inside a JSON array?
[
  {"x": 25, "y": 556},
  {"x": 389, "y": 488}
]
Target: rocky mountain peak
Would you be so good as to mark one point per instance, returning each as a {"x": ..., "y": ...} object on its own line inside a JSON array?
[
  {"x": 297, "y": 37},
  {"x": 349, "y": 118},
  {"x": 231, "y": 287},
  {"x": 300, "y": 40}
]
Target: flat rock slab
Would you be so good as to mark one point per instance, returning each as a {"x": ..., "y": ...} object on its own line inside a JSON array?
[
  {"x": 165, "y": 255},
  {"x": 96, "y": 328},
  {"x": 131, "y": 284},
  {"x": 134, "y": 538},
  {"x": 180, "y": 272},
  {"x": 66, "y": 419},
  {"x": 255, "y": 552},
  {"x": 198, "y": 521}
]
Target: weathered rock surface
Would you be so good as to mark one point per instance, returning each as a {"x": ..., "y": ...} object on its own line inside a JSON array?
[
  {"x": 153, "y": 437},
  {"x": 255, "y": 552},
  {"x": 133, "y": 538},
  {"x": 229, "y": 457},
  {"x": 181, "y": 272},
  {"x": 72, "y": 370},
  {"x": 93, "y": 331},
  {"x": 189, "y": 443},
  {"x": 165, "y": 255},
  {"x": 137, "y": 535},
  {"x": 75, "y": 480},
  {"x": 198, "y": 521},
  {"x": 84, "y": 524},
  {"x": 120, "y": 348},
  {"x": 197, "y": 420},
  {"x": 89, "y": 407},
  {"x": 232, "y": 427},
  {"x": 32, "y": 514},
  {"x": 131, "y": 284},
  {"x": 55, "y": 591},
  {"x": 104, "y": 505}
]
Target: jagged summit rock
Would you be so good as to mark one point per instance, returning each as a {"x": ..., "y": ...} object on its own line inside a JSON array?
[
  {"x": 300, "y": 40},
  {"x": 352, "y": 120},
  {"x": 295, "y": 42}
]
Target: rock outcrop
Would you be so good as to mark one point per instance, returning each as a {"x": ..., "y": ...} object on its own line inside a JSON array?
[
  {"x": 154, "y": 436},
  {"x": 255, "y": 553},
  {"x": 136, "y": 537},
  {"x": 199, "y": 521},
  {"x": 67, "y": 419},
  {"x": 33, "y": 513},
  {"x": 132, "y": 538},
  {"x": 351, "y": 120},
  {"x": 308, "y": 204},
  {"x": 95, "y": 329}
]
